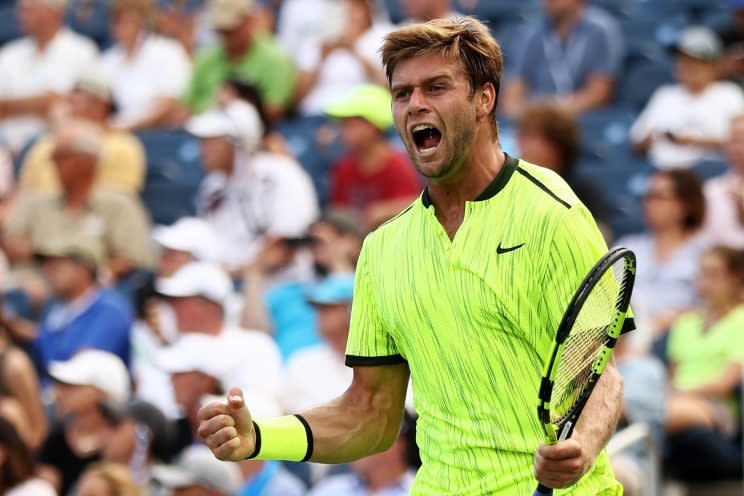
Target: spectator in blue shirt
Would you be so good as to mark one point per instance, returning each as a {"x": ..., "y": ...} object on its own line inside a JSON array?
[
  {"x": 83, "y": 315},
  {"x": 573, "y": 53}
]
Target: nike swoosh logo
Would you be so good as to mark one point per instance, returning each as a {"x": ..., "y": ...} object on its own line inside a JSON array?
[{"x": 501, "y": 250}]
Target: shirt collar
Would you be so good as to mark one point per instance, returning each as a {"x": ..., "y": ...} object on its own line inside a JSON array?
[{"x": 498, "y": 183}]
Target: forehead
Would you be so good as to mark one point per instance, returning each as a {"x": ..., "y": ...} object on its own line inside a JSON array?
[{"x": 416, "y": 70}]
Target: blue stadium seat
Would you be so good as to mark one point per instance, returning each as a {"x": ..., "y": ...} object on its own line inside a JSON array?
[
  {"x": 395, "y": 11},
  {"x": 640, "y": 80},
  {"x": 605, "y": 135},
  {"x": 498, "y": 13},
  {"x": 8, "y": 23},
  {"x": 90, "y": 18},
  {"x": 174, "y": 173},
  {"x": 710, "y": 168}
]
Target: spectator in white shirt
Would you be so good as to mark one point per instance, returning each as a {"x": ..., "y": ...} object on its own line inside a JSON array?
[
  {"x": 426, "y": 10},
  {"x": 36, "y": 69},
  {"x": 148, "y": 72},
  {"x": 384, "y": 474},
  {"x": 724, "y": 214},
  {"x": 330, "y": 68},
  {"x": 688, "y": 122},
  {"x": 248, "y": 195}
]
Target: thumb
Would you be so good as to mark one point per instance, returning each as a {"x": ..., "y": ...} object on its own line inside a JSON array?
[{"x": 239, "y": 412}]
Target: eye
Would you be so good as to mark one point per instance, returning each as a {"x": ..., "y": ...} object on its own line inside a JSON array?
[
  {"x": 437, "y": 87},
  {"x": 401, "y": 94}
]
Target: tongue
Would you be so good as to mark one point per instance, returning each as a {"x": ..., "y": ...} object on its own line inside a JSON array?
[{"x": 431, "y": 140}]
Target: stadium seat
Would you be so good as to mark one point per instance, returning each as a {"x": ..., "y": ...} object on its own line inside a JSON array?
[
  {"x": 8, "y": 23},
  {"x": 499, "y": 13},
  {"x": 708, "y": 169},
  {"x": 174, "y": 173},
  {"x": 605, "y": 134},
  {"x": 640, "y": 80},
  {"x": 90, "y": 18}
]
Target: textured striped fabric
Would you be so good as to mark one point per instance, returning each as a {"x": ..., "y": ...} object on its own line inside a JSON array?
[{"x": 474, "y": 318}]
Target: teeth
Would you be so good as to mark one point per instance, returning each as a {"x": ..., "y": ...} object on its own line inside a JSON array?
[{"x": 421, "y": 127}]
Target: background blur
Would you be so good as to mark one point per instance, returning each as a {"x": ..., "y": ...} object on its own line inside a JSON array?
[{"x": 185, "y": 186}]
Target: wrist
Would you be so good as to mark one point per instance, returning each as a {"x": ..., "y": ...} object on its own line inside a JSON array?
[{"x": 282, "y": 438}]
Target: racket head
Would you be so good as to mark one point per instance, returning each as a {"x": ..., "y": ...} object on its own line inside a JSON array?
[{"x": 584, "y": 342}]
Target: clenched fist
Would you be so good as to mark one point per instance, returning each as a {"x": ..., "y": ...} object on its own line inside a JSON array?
[{"x": 227, "y": 428}]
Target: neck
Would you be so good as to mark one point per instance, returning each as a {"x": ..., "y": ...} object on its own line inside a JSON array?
[
  {"x": 385, "y": 475},
  {"x": 372, "y": 157},
  {"x": 719, "y": 309},
  {"x": 237, "y": 53},
  {"x": 564, "y": 25},
  {"x": 76, "y": 195},
  {"x": 44, "y": 39},
  {"x": 670, "y": 235},
  {"x": 80, "y": 294},
  {"x": 130, "y": 46},
  {"x": 196, "y": 327},
  {"x": 89, "y": 421}
]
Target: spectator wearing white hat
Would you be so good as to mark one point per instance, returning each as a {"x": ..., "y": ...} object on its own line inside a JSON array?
[
  {"x": 198, "y": 473},
  {"x": 80, "y": 385},
  {"x": 687, "y": 122},
  {"x": 136, "y": 63},
  {"x": 248, "y": 195},
  {"x": 39, "y": 67},
  {"x": 121, "y": 163}
]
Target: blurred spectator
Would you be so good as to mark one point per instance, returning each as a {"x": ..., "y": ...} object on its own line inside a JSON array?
[
  {"x": 282, "y": 308},
  {"x": 108, "y": 479},
  {"x": 374, "y": 180},
  {"x": 389, "y": 473},
  {"x": 426, "y": 10},
  {"x": 198, "y": 473},
  {"x": 121, "y": 164},
  {"x": 19, "y": 385},
  {"x": 689, "y": 121},
  {"x": 549, "y": 135},
  {"x": 674, "y": 208},
  {"x": 82, "y": 314},
  {"x": 245, "y": 194},
  {"x": 331, "y": 68},
  {"x": 330, "y": 378},
  {"x": 119, "y": 221},
  {"x": 244, "y": 53},
  {"x": 136, "y": 64},
  {"x": 18, "y": 467},
  {"x": 77, "y": 436},
  {"x": 724, "y": 195},
  {"x": 731, "y": 65},
  {"x": 179, "y": 20},
  {"x": 574, "y": 53},
  {"x": 37, "y": 69},
  {"x": 303, "y": 23},
  {"x": 137, "y": 436},
  {"x": 706, "y": 349}
]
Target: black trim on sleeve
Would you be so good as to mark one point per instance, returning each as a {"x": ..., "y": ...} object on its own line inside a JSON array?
[
  {"x": 540, "y": 185},
  {"x": 628, "y": 325},
  {"x": 258, "y": 442},
  {"x": 362, "y": 361},
  {"x": 309, "y": 434}
]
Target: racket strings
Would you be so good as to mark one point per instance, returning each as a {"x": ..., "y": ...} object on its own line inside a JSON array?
[{"x": 587, "y": 338}]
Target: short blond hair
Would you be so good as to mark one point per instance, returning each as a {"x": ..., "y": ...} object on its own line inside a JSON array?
[
  {"x": 467, "y": 42},
  {"x": 117, "y": 477}
]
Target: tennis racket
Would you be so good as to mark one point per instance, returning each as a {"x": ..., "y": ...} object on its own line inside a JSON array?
[{"x": 583, "y": 345}]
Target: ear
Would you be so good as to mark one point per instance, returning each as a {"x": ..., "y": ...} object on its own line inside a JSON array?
[{"x": 486, "y": 100}]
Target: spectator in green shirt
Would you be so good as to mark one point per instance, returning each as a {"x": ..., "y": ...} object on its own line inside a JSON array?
[{"x": 244, "y": 53}]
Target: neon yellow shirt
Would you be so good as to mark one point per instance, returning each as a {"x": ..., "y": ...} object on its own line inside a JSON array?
[{"x": 475, "y": 318}]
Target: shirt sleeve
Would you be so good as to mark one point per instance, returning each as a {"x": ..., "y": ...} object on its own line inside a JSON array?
[
  {"x": 608, "y": 51},
  {"x": 123, "y": 163},
  {"x": 369, "y": 342},
  {"x": 197, "y": 95},
  {"x": 278, "y": 79},
  {"x": 128, "y": 231},
  {"x": 21, "y": 216},
  {"x": 576, "y": 247}
]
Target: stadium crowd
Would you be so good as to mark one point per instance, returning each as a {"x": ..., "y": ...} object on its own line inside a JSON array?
[{"x": 185, "y": 187}]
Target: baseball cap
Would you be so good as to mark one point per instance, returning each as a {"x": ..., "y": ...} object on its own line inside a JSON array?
[
  {"x": 227, "y": 14},
  {"x": 198, "y": 466},
  {"x": 238, "y": 120},
  {"x": 95, "y": 83},
  {"x": 699, "y": 42},
  {"x": 368, "y": 101},
  {"x": 333, "y": 290},
  {"x": 83, "y": 249},
  {"x": 192, "y": 235},
  {"x": 197, "y": 279},
  {"x": 195, "y": 353},
  {"x": 96, "y": 368}
]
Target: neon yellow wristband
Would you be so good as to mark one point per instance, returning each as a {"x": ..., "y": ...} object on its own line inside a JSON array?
[{"x": 283, "y": 438}]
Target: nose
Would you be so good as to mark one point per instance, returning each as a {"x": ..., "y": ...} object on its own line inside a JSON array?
[{"x": 417, "y": 102}]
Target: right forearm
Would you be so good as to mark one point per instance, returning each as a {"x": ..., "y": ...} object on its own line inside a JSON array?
[{"x": 254, "y": 314}]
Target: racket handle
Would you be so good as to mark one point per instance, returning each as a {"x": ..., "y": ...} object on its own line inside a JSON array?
[{"x": 542, "y": 491}]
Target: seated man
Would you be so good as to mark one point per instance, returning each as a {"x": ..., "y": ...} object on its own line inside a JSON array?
[
  {"x": 117, "y": 220},
  {"x": 122, "y": 162},
  {"x": 82, "y": 314},
  {"x": 197, "y": 473},
  {"x": 573, "y": 54},
  {"x": 37, "y": 69}
]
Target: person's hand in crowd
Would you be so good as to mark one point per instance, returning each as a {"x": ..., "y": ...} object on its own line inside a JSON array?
[
  {"x": 227, "y": 428},
  {"x": 274, "y": 255}
]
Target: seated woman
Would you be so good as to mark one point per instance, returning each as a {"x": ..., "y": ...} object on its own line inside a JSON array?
[{"x": 706, "y": 350}]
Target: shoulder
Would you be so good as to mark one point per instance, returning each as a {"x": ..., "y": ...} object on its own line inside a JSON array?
[
  {"x": 17, "y": 48},
  {"x": 259, "y": 343},
  {"x": 536, "y": 184},
  {"x": 269, "y": 45},
  {"x": 113, "y": 305},
  {"x": 112, "y": 201},
  {"x": 73, "y": 40},
  {"x": 280, "y": 167},
  {"x": 726, "y": 89},
  {"x": 600, "y": 20},
  {"x": 401, "y": 223},
  {"x": 116, "y": 139},
  {"x": 208, "y": 56}
]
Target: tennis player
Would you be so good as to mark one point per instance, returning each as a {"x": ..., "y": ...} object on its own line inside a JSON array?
[{"x": 464, "y": 291}]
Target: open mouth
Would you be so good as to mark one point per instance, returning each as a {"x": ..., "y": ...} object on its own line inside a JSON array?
[{"x": 426, "y": 137}]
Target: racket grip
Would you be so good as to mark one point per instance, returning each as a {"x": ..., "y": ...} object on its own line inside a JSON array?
[{"x": 542, "y": 491}]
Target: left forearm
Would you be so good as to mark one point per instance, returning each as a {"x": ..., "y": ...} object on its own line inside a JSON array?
[{"x": 601, "y": 414}]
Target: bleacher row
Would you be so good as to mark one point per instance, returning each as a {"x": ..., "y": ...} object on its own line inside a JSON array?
[{"x": 649, "y": 26}]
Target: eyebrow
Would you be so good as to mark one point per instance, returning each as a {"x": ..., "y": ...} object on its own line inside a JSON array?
[{"x": 425, "y": 81}]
